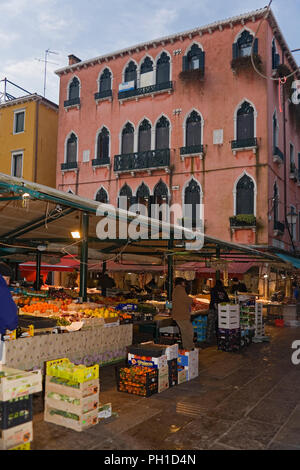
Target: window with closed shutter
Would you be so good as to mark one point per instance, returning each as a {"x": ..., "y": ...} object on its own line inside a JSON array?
[
  {"x": 163, "y": 68},
  {"x": 105, "y": 81},
  {"x": 245, "y": 196},
  {"x": 245, "y": 122},
  {"x": 144, "y": 142},
  {"x": 71, "y": 149},
  {"x": 142, "y": 199},
  {"x": 162, "y": 134},
  {"x": 193, "y": 129},
  {"x": 127, "y": 139},
  {"x": 101, "y": 196},
  {"x": 192, "y": 200},
  {"x": 103, "y": 145},
  {"x": 130, "y": 72},
  {"x": 125, "y": 197},
  {"x": 74, "y": 89}
]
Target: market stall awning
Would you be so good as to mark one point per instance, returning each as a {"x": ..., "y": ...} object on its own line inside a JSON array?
[
  {"x": 67, "y": 264},
  {"x": 290, "y": 259},
  {"x": 233, "y": 268}
]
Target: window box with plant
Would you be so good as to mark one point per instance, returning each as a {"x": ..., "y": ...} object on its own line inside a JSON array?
[
  {"x": 243, "y": 221},
  {"x": 278, "y": 156},
  {"x": 193, "y": 65}
]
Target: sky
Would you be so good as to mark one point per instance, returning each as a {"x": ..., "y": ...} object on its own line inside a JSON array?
[{"x": 91, "y": 28}]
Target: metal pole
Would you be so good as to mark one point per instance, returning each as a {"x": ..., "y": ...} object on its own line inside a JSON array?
[
  {"x": 103, "y": 272},
  {"x": 45, "y": 73},
  {"x": 84, "y": 257},
  {"x": 170, "y": 269},
  {"x": 38, "y": 269},
  {"x": 218, "y": 272}
]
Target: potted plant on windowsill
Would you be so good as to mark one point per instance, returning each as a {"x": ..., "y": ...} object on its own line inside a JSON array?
[
  {"x": 243, "y": 220},
  {"x": 245, "y": 62}
]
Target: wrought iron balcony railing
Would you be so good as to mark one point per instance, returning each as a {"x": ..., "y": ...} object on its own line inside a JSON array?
[
  {"x": 278, "y": 155},
  {"x": 103, "y": 94},
  {"x": 69, "y": 166},
  {"x": 279, "y": 226},
  {"x": 100, "y": 161},
  {"x": 244, "y": 143},
  {"x": 142, "y": 160},
  {"x": 72, "y": 102},
  {"x": 145, "y": 90},
  {"x": 191, "y": 149}
]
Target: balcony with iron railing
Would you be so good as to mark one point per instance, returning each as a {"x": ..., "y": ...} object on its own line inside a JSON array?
[
  {"x": 101, "y": 95},
  {"x": 138, "y": 161},
  {"x": 69, "y": 166},
  {"x": 278, "y": 156},
  {"x": 147, "y": 90},
  {"x": 191, "y": 150},
  {"x": 101, "y": 162},
  {"x": 244, "y": 144},
  {"x": 72, "y": 102}
]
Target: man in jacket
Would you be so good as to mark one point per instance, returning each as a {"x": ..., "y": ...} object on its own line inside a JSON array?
[
  {"x": 181, "y": 313},
  {"x": 8, "y": 309}
]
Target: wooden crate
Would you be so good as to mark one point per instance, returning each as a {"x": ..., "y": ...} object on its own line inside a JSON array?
[
  {"x": 85, "y": 420},
  {"x": 16, "y": 436},
  {"x": 85, "y": 389},
  {"x": 18, "y": 383}
]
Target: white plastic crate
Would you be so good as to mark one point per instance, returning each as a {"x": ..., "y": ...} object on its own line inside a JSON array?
[{"x": 229, "y": 324}]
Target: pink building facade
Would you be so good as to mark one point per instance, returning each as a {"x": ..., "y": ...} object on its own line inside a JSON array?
[{"x": 186, "y": 118}]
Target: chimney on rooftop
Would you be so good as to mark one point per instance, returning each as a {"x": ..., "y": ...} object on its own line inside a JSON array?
[{"x": 73, "y": 59}]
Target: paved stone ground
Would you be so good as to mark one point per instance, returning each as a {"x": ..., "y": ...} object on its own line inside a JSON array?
[{"x": 247, "y": 400}]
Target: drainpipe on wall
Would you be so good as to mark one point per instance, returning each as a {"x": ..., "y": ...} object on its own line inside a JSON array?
[{"x": 36, "y": 139}]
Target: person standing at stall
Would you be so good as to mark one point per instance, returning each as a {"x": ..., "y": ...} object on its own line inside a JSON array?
[
  {"x": 8, "y": 308},
  {"x": 181, "y": 313}
]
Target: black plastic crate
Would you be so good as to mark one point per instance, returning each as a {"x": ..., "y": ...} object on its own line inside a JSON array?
[
  {"x": 172, "y": 365},
  {"x": 16, "y": 411},
  {"x": 129, "y": 382},
  {"x": 143, "y": 350}
]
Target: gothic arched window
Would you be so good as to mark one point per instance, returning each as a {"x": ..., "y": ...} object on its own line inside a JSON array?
[
  {"x": 193, "y": 130},
  {"x": 74, "y": 88},
  {"x": 144, "y": 140},
  {"x": 245, "y": 122},
  {"x": 105, "y": 81},
  {"x": 71, "y": 149},
  {"x": 245, "y": 196},
  {"x": 127, "y": 139},
  {"x": 103, "y": 145},
  {"x": 163, "y": 68},
  {"x": 162, "y": 132},
  {"x": 192, "y": 200}
]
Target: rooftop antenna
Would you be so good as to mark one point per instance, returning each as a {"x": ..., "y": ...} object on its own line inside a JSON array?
[{"x": 46, "y": 61}]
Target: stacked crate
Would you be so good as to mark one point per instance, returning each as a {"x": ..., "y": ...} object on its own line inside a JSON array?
[
  {"x": 71, "y": 394},
  {"x": 200, "y": 327},
  {"x": 188, "y": 361},
  {"x": 259, "y": 323},
  {"x": 169, "y": 335},
  {"x": 16, "y": 389},
  {"x": 229, "y": 333},
  {"x": 247, "y": 321}
]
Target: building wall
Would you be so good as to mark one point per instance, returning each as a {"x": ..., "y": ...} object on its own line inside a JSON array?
[
  {"x": 24, "y": 141},
  {"x": 217, "y": 98},
  {"x": 47, "y": 145},
  {"x": 280, "y": 173}
]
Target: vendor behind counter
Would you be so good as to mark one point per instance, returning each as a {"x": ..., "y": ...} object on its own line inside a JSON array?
[{"x": 8, "y": 308}]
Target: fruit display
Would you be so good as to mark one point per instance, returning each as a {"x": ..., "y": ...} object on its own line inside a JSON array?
[
  {"x": 142, "y": 381},
  {"x": 40, "y": 308},
  {"x": 198, "y": 305}
]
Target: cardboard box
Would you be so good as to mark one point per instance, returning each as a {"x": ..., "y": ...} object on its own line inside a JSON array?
[
  {"x": 85, "y": 389},
  {"x": 182, "y": 376},
  {"x": 84, "y": 421},
  {"x": 170, "y": 351},
  {"x": 144, "y": 361},
  {"x": 187, "y": 358},
  {"x": 16, "y": 436},
  {"x": 104, "y": 411},
  {"x": 191, "y": 372},
  {"x": 163, "y": 382},
  {"x": 18, "y": 383}
]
